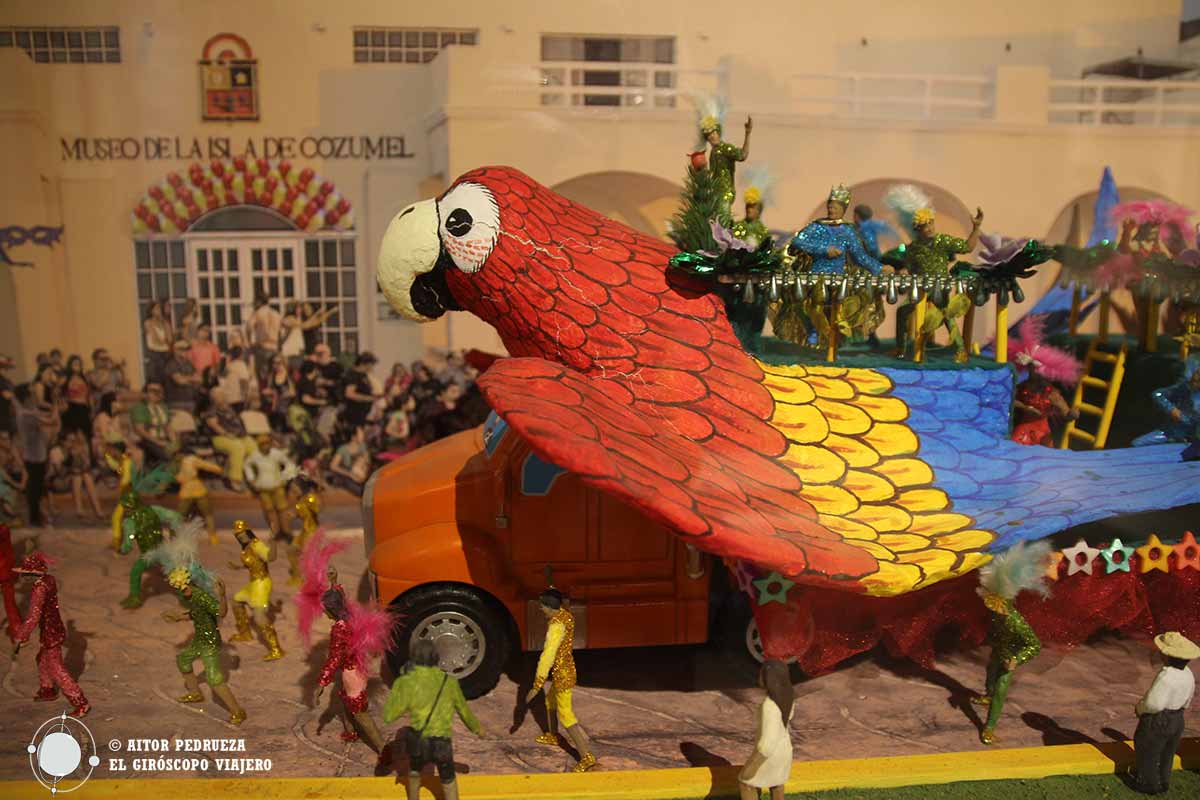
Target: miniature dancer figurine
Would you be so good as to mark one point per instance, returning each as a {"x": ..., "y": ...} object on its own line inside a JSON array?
[
  {"x": 308, "y": 509},
  {"x": 44, "y": 614},
  {"x": 556, "y": 674},
  {"x": 193, "y": 494},
  {"x": 1160, "y": 713},
  {"x": 1036, "y": 398},
  {"x": 358, "y": 636},
  {"x": 1013, "y": 640},
  {"x": 430, "y": 698},
  {"x": 205, "y": 612},
  {"x": 930, "y": 254},
  {"x": 254, "y": 599},
  {"x": 723, "y": 157},
  {"x": 268, "y": 470},
  {"x": 143, "y": 524},
  {"x": 771, "y": 762},
  {"x": 8, "y": 580},
  {"x": 832, "y": 244},
  {"x": 751, "y": 229},
  {"x": 1181, "y": 402},
  {"x": 121, "y": 462}
]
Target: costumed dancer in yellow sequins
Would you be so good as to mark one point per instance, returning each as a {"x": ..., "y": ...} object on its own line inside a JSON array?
[
  {"x": 119, "y": 461},
  {"x": 556, "y": 674},
  {"x": 308, "y": 509},
  {"x": 254, "y": 599}
]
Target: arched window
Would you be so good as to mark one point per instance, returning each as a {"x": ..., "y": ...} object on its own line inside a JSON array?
[{"x": 291, "y": 238}]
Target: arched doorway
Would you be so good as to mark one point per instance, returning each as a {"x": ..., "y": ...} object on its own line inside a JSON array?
[
  {"x": 642, "y": 201},
  {"x": 226, "y": 231}
]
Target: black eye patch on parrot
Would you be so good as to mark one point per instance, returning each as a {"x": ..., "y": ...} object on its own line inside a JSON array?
[
  {"x": 430, "y": 294},
  {"x": 459, "y": 222}
]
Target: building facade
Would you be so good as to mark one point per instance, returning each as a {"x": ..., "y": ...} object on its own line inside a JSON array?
[{"x": 211, "y": 151}]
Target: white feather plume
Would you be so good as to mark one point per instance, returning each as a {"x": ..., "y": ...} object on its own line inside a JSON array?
[
  {"x": 1020, "y": 568},
  {"x": 905, "y": 200},
  {"x": 759, "y": 177}
]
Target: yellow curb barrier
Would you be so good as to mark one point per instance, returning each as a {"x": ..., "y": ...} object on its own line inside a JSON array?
[{"x": 661, "y": 784}]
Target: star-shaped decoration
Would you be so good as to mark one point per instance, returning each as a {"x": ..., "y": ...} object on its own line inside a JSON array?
[
  {"x": 1080, "y": 557},
  {"x": 1153, "y": 555},
  {"x": 1116, "y": 557},
  {"x": 767, "y": 594},
  {"x": 1187, "y": 553},
  {"x": 1056, "y": 558}
]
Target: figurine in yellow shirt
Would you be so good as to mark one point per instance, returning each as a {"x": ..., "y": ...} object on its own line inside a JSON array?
[
  {"x": 193, "y": 494},
  {"x": 308, "y": 509},
  {"x": 556, "y": 674},
  {"x": 119, "y": 461},
  {"x": 254, "y": 599}
]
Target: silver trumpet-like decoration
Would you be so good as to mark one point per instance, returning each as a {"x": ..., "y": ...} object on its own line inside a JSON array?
[{"x": 773, "y": 289}]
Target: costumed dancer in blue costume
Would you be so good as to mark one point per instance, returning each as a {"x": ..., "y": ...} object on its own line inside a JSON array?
[
  {"x": 1181, "y": 402},
  {"x": 869, "y": 230},
  {"x": 832, "y": 243}
]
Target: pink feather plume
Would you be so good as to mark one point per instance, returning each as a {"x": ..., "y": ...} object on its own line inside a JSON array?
[
  {"x": 314, "y": 565},
  {"x": 372, "y": 631},
  {"x": 1052, "y": 363},
  {"x": 1156, "y": 212}
]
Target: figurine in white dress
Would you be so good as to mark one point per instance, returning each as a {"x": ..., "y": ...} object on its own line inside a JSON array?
[{"x": 771, "y": 762}]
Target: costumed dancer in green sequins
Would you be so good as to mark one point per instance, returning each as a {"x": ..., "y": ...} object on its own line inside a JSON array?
[
  {"x": 143, "y": 524},
  {"x": 722, "y": 156},
  {"x": 930, "y": 254},
  {"x": 205, "y": 611},
  {"x": 202, "y": 596},
  {"x": 1021, "y": 568}
]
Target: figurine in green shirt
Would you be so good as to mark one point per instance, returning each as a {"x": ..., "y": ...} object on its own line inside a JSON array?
[
  {"x": 431, "y": 699},
  {"x": 724, "y": 156},
  {"x": 204, "y": 610},
  {"x": 930, "y": 254},
  {"x": 1013, "y": 640}
]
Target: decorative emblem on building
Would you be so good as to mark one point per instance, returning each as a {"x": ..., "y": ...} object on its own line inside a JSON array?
[{"x": 228, "y": 79}]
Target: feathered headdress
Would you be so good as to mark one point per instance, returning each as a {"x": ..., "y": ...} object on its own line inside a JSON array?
[
  {"x": 372, "y": 629},
  {"x": 314, "y": 572},
  {"x": 758, "y": 185},
  {"x": 1020, "y": 568},
  {"x": 178, "y": 552},
  {"x": 1160, "y": 213},
  {"x": 153, "y": 481},
  {"x": 1028, "y": 349},
  {"x": 710, "y": 112},
  {"x": 911, "y": 205}
]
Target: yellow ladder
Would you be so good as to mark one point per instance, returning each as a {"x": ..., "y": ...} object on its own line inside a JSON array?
[{"x": 1111, "y": 387}]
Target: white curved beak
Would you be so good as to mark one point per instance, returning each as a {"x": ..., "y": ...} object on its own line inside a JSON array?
[{"x": 410, "y": 248}]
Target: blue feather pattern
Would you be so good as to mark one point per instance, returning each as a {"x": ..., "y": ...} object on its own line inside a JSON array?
[{"x": 1021, "y": 493}]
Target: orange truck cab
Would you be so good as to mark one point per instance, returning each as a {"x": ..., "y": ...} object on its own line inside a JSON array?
[{"x": 462, "y": 535}]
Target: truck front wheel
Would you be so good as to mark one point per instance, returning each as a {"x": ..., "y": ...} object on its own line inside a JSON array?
[{"x": 471, "y": 637}]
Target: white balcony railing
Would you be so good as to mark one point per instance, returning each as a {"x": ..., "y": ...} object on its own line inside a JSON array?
[
  {"x": 1124, "y": 102},
  {"x": 627, "y": 84},
  {"x": 893, "y": 96}
]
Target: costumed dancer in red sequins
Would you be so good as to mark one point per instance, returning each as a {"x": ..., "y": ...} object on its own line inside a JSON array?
[
  {"x": 44, "y": 612},
  {"x": 359, "y": 635},
  {"x": 1037, "y": 399},
  {"x": 8, "y": 580}
]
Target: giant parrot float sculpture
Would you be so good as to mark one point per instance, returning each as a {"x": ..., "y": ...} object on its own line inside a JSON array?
[{"x": 877, "y": 481}]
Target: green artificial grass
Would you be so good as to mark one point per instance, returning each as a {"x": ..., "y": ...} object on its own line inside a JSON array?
[{"x": 1184, "y": 784}]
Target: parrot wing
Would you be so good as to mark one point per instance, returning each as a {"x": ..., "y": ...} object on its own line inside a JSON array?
[
  {"x": 1023, "y": 493},
  {"x": 846, "y": 504}
]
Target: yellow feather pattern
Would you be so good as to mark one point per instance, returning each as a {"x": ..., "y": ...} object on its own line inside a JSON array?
[{"x": 860, "y": 467}]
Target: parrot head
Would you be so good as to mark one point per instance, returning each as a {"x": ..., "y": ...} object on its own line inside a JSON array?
[{"x": 429, "y": 243}]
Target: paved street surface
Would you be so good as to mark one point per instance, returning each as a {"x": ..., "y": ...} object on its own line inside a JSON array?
[{"x": 646, "y": 708}]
